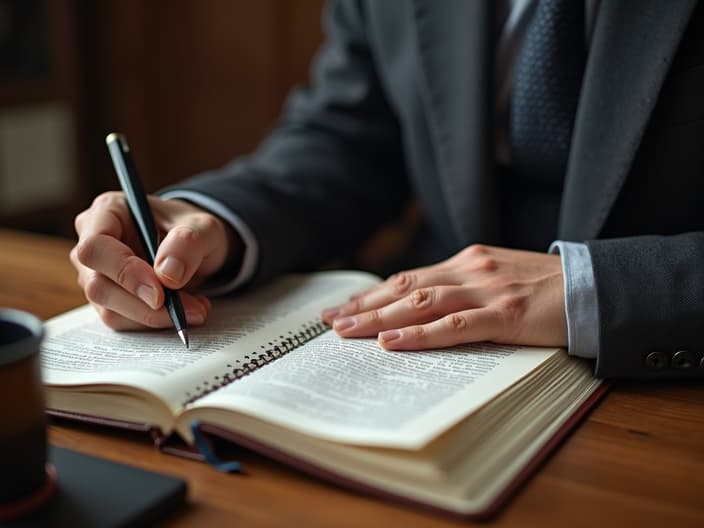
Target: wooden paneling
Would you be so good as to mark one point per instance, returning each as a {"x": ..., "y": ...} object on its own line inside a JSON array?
[{"x": 194, "y": 83}]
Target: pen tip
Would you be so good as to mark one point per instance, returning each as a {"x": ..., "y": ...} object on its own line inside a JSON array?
[{"x": 184, "y": 337}]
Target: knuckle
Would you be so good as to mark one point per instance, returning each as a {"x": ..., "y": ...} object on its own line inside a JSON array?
[
  {"x": 81, "y": 279},
  {"x": 374, "y": 316},
  {"x": 419, "y": 332},
  {"x": 107, "y": 199},
  {"x": 512, "y": 311},
  {"x": 78, "y": 221},
  {"x": 353, "y": 307},
  {"x": 485, "y": 263},
  {"x": 403, "y": 282},
  {"x": 510, "y": 314},
  {"x": 513, "y": 307},
  {"x": 455, "y": 322},
  {"x": 422, "y": 298},
  {"x": 73, "y": 257},
  {"x": 185, "y": 233},
  {"x": 476, "y": 250},
  {"x": 479, "y": 258},
  {"x": 85, "y": 250},
  {"x": 124, "y": 270},
  {"x": 206, "y": 222},
  {"x": 94, "y": 288},
  {"x": 122, "y": 273}
]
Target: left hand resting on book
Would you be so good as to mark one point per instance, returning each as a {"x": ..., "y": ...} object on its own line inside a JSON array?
[{"x": 481, "y": 294}]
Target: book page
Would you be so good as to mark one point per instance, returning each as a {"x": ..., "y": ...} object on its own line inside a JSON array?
[
  {"x": 79, "y": 350},
  {"x": 352, "y": 390}
]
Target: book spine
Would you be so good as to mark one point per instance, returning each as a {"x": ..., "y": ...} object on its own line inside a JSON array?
[{"x": 268, "y": 352}]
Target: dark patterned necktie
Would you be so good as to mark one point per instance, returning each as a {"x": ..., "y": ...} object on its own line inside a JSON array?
[{"x": 548, "y": 78}]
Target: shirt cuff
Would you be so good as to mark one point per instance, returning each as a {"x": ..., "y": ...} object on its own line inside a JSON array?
[
  {"x": 251, "y": 246},
  {"x": 581, "y": 307}
]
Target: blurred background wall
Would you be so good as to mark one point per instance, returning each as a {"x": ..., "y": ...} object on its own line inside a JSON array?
[{"x": 192, "y": 83}]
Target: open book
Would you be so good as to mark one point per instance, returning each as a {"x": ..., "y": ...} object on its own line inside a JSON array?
[{"x": 455, "y": 429}]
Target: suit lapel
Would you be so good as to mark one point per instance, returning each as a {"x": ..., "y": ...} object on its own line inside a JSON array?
[
  {"x": 453, "y": 37},
  {"x": 633, "y": 45}
]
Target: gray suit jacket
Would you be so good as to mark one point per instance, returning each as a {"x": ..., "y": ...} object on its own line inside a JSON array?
[{"x": 400, "y": 105}]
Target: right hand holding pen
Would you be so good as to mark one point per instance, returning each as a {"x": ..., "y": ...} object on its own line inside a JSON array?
[{"x": 125, "y": 290}]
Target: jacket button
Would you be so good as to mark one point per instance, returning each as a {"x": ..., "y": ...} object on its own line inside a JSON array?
[
  {"x": 683, "y": 359},
  {"x": 656, "y": 360}
]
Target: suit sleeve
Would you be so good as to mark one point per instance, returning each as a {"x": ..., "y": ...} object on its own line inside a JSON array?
[
  {"x": 650, "y": 294},
  {"x": 332, "y": 170}
]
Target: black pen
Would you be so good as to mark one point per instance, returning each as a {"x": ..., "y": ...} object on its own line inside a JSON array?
[{"x": 143, "y": 219}]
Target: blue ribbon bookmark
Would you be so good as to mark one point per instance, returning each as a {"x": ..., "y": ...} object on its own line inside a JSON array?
[{"x": 202, "y": 444}]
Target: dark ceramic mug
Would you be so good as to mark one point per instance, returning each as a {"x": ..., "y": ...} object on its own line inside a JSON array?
[{"x": 24, "y": 479}]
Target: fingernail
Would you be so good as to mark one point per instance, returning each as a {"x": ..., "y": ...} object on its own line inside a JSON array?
[
  {"x": 172, "y": 268},
  {"x": 147, "y": 294},
  {"x": 345, "y": 323},
  {"x": 195, "y": 317},
  {"x": 330, "y": 313},
  {"x": 389, "y": 335}
]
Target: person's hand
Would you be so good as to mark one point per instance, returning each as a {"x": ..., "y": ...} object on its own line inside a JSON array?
[
  {"x": 481, "y": 294},
  {"x": 124, "y": 289}
]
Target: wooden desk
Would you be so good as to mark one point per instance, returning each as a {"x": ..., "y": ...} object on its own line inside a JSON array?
[{"x": 638, "y": 460}]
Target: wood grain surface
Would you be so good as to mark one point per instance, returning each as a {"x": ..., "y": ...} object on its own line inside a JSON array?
[{"x": 637, "y": 460}]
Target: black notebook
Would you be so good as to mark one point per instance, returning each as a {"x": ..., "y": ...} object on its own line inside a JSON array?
[{"x": 97, "y": 492}]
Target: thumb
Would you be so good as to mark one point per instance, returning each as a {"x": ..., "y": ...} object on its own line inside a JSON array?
[{"x": 194, "y": 248}]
